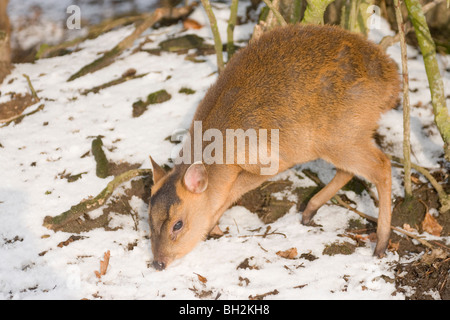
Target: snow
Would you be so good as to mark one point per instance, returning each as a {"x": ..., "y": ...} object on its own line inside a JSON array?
[{"x": 32, "y": 266}]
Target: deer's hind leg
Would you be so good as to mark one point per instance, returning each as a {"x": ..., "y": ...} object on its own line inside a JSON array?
[
  {"x": 369, "y": 162},
  {"x": 340, "y": 179}
]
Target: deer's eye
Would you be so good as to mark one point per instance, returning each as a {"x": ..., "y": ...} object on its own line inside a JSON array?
[{"x": 177, "y": 226}]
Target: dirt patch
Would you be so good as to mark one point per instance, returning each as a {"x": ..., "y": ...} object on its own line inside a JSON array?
[
  {"x": 426, "y": 279},
  {"x": 116, "y": 169},
  {"x": 262, "y": 201},
  {"x": 339, "y": 248},
  {"x": 16, "y": 106}
]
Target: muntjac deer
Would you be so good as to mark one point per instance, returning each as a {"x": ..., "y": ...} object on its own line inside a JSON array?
[{"x": 320, "y": 90}]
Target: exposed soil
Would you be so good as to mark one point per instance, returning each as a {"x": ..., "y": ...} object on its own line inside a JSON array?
[{"x": 15, "y": 107}]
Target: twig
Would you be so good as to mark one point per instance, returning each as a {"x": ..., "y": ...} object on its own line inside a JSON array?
[
  {"x": 33, "y": 92},
  {"x": 76, "y": 211},
  {"x": 113, "y": 83},
  {"x": 277, "y": 14},
  {"x": 265, "y": 234},
  {"x": 406, "y": 106},
  {"x": 215, "y": 31},
  {"x": 230, "y": 30}
]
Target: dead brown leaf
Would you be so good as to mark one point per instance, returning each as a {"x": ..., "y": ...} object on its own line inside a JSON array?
[
  {"x": 191, "y": 24},
  {"x": 430, "y": 225},
  {"x": 393, "y": 246},
  {"x": 103, "y": 265},
  {"x": 431, "y": 257},
  {"x": 288, "y": 254},
  {"x": 201, "y": 278}
]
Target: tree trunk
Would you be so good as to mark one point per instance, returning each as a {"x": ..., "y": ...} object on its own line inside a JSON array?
[
  {"x": 315, "y": 10},
  {"x": 428, "y": 49},
  {"x": 5, "y": 49},
  {"x": 355, "y": 15},
  {"x": 406, "y": 106}
]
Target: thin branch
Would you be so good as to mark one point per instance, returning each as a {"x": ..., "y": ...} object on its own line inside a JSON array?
[
  {"x": 406, "y": 105},
  {"x": 33, "y": 92},
  {"x": 277, "y": 14},
  {"x": 215, "y": 31},
  {"x": 230, "y": 30}
]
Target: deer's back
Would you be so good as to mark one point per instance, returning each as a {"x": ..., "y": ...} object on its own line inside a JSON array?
[{"x": 310, "y": 82}]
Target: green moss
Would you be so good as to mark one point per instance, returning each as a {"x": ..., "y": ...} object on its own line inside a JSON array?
[
  {"x": 139, "y": 107},
  {"x": 189, "y": 41},
  {"x": 345, "y": 248},
  {"x": 158, "y": 97},
  {"x": 186, "y": 91},
  {"x": 100, "y": 158}
]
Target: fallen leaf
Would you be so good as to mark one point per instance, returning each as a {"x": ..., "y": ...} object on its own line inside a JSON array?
[
  {"x": 191, "y": 24},
  {"x": 415, "y": 180},
  {"x": 201, "y": 278},
  {"x": 430, "y": 225},
  {"x": 430, "y": 257},
  {"x": 393, "y": 246},
  {"x": 288, "y": 254},
  {"x": 103, "y": 265}
]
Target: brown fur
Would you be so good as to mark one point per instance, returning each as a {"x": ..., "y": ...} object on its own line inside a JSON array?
[{"x": 324, "y": 89}]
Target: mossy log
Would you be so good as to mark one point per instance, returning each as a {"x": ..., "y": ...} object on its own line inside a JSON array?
[{"x": 85, "y": 206}]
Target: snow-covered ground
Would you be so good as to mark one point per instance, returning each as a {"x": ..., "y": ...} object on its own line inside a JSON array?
[{"x": 34, "y": 152}]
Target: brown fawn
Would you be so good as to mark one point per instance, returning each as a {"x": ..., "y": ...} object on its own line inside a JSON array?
[{"x": 323, "y": 88}]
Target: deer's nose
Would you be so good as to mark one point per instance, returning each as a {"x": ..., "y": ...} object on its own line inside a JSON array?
[{"x": 158, "y": 265}]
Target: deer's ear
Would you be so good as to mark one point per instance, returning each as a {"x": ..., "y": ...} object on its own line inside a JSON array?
[
  {"x": 157, "y": 171},
  {"x": 196, "y": 178}
]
